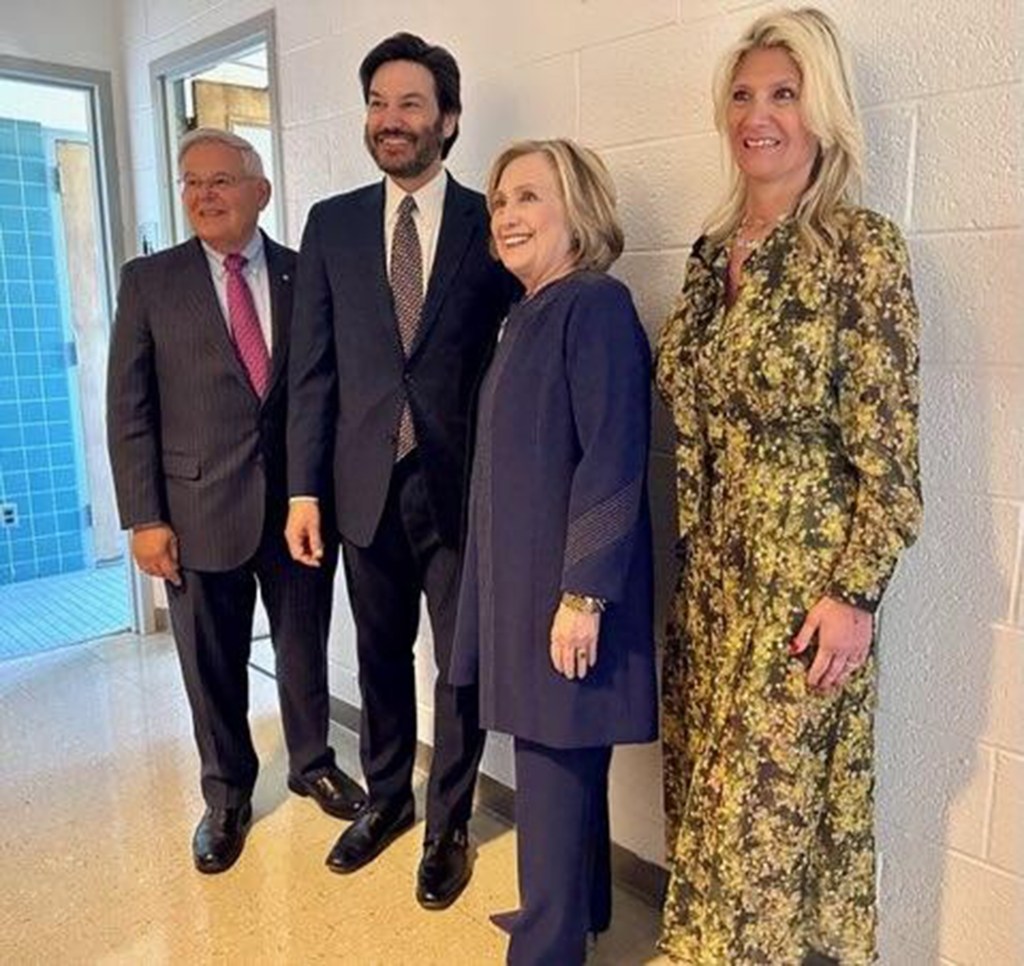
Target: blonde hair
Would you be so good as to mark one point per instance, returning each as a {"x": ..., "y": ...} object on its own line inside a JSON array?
[
  {"x": 829, "y": 111},
  {"x": 587, "y": 191}
]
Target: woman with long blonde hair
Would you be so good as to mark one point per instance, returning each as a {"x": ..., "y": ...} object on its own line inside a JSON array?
[{"x": 790, "y": 367}]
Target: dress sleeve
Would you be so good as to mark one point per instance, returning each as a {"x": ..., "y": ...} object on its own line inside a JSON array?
[
  {"x": 878, "y": 395},
  {"x": 609, "y": 372},
  {"x": 675, "y": 378}
]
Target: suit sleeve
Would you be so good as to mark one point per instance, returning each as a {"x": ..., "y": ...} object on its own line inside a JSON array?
[
  {"x": 609, "y": 370},
  {"x": 133, "y": 409},
  {"x": 312, "y": 371},
  {"x": 878, "y": 408}
]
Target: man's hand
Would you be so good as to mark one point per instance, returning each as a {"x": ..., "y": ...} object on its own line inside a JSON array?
[
  {"x": 302, "y": 531},
  {"x": 155, "y": 549}
]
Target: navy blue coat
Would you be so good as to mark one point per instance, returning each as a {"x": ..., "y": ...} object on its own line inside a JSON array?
[{"x": 559, "y": 502}]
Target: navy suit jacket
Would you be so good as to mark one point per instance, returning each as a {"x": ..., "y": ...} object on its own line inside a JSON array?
[
  {"x": 349, "y": 377},
  {"x": 190, "y": 442},
  {"x": 559, "y": 502}
]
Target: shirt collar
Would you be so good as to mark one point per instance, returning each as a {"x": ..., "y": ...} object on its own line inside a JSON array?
[
  {"x": 253, "y": 252},
  {"x": 429, "y": 198}
]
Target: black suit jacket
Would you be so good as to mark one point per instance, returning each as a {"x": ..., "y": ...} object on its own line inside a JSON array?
[
  {"x": 190, "y": 442},
  {"x": 349, "y": 378}
]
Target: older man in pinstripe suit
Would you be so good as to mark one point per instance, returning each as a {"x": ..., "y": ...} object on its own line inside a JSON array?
[{"x": 196, "y": 425}]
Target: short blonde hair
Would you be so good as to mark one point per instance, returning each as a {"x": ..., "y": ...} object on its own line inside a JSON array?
[
  {"x": 252, "y": 163},
  {"x": 829, "y": 110},
  {"x": 587, "y": 191}
]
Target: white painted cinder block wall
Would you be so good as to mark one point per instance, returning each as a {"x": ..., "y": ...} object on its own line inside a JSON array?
[{"x": 940, "y": 83}]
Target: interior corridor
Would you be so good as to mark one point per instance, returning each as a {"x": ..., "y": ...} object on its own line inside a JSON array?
[{"x": 97, "y": 805}]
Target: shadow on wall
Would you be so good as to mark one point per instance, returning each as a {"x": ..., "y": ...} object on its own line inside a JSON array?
[{"x": 936, "y": 658}]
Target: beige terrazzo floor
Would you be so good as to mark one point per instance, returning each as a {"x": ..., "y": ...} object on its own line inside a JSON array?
[{"x": 98, "y": 799}]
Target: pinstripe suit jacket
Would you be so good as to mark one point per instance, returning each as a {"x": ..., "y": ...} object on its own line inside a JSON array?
[{"x": 190, "y": 442}]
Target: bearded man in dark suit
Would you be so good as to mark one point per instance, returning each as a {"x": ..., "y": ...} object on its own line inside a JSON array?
[
  {"x": 397, "y": 306},
  {"x": 196, "y": 410}
]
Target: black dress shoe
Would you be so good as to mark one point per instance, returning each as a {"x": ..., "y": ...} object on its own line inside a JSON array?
[
  {"x": 333, "y": 791},
  {"x": 369, "y": 835},
  {"x": 444, "y": 870},
  {"x": 219, "y": 837}
]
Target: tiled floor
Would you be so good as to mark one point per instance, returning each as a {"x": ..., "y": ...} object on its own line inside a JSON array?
[
  {"x": 97, "y": 803},
  {"x": 39, "y": 615}
]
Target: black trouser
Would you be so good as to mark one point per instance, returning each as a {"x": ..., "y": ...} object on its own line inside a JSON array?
[
  {"x": 385, "y": 581},
  {"x": 211, "y": 616},
  {"x": 564, "y": 853}
]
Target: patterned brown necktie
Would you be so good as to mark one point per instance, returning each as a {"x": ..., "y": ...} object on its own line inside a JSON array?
[{"x": 407, "y": 291}]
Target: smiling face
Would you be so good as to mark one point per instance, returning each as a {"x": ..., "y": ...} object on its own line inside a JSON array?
[
  {"x": 222, "y": 201},
  {"x": 405, "y": 128},
  {"x": 529, "y": 224},
  {"x": 767, "y": 133}
]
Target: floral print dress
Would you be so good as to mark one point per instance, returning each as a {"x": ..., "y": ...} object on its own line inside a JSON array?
[{"x": 796, "y": 418}]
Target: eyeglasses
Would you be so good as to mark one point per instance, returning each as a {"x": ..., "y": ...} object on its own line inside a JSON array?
[{"x": 218, "y": 182}]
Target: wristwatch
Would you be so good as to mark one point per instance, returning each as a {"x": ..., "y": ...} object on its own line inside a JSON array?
[{"x": 583, "y": 603}]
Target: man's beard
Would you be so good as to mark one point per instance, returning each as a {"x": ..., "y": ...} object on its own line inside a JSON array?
[{"x": 428, "y": 145}]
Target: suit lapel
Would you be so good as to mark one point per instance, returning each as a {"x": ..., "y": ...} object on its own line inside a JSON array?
[
  {"x": 279, "y": 276},
  {"x": 204, "y": 306},
  {"x": 367, "y": 231},
  {"x": 458, "y": 226}
]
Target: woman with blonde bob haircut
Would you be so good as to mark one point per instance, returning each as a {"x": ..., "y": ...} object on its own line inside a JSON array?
[
  {"x": 791, "y": 369},
  {"x": 587, "y": 192},
  {"x": 555, "y": 618}
]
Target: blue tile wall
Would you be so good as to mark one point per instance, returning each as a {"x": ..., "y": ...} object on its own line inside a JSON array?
[{"x": 37, "y": 446}]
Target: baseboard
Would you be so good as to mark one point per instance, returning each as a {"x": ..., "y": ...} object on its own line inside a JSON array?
[{"x": 645, "y": 880}]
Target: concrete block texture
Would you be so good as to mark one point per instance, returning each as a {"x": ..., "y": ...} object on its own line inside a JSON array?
[
  {"x": 968, "y": 172},
  {"x": 665, "y": 189},
  {"x": 972, "y": 433},
  {"x": 904, "y": 50},
  {"x": 510, "y": 104},
  {"x": 933, "y": 785},
  {"x": 948, "y": 906},
  {"x": 1006, "y": 843},
  {"x": 970, "y": 290}
]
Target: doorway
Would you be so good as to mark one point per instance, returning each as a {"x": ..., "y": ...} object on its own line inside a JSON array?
[
  {"x": 226, "y": 81},
  {"x": 64, "y": 576}
]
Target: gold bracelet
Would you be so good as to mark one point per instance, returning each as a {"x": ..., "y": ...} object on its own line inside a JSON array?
[{"x": 583, "y": 603}]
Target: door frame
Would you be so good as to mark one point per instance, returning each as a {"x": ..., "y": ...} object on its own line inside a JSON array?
[
  {"x": 196, "y": 57},
  {"x": 98, "y": 87}
]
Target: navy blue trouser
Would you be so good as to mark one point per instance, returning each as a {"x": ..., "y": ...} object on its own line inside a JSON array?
[{"x": 564, "y": 852}]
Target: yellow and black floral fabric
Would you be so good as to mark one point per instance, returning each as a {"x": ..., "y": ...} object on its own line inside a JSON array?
[{"x": 796, "y": 416}]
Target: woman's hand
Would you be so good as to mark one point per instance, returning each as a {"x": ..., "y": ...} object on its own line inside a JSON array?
[
  {"x": 574, "y": 641},
  {"x": 844, "y": 639}
]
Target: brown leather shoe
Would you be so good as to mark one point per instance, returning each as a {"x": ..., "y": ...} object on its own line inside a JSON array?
[
  {"x": 444, "y": 871},
  {"x": 333, "y": 791},
  {"x": 369, "y": 835},
  {"x": 219, "y": 838}
]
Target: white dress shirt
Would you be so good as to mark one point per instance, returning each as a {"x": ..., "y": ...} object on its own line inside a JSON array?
[
  {"x": 257, "y": 277},
  {"x": 427, "y": 219}
]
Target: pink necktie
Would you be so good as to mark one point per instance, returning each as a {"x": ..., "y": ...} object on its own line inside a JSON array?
[
  {"x": 245, "y": 325},
  {"x": 407, "y": 291}
]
